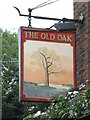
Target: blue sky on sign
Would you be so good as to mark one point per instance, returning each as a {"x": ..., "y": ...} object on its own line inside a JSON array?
[{"x": 10, "y": 19}]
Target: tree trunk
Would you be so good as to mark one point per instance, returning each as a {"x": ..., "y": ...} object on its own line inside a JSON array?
[{"x": 46, "y": 78}]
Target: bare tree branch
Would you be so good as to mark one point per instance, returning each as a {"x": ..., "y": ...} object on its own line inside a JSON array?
[
  {"x": 42, "y": 54},
  {"x": 53, "y": 72},
  {"x": 44, "y": 58},
  {"x": 48, "y": 57},
  {"x": 50, "y": 64}
]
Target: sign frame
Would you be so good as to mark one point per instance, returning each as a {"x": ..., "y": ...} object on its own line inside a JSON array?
[{"x": 23, "y": 36}]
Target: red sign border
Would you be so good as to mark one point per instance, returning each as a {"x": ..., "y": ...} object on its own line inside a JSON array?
[{"x": 22, "y": 96}]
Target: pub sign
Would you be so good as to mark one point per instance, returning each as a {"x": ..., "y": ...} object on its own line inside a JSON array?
[{"x": 46, "y": 63}]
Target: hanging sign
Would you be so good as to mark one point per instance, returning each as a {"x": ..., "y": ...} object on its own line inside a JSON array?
[{"x": 46, "y": 63}]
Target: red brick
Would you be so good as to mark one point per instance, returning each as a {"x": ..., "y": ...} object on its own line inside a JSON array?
[{"x": 82, "y": 42}]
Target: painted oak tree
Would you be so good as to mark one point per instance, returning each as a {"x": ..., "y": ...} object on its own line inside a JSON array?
[{"x": 49, "y": 60}]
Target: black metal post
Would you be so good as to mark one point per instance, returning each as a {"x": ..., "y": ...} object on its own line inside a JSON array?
[{"x": 29, "y": 17}]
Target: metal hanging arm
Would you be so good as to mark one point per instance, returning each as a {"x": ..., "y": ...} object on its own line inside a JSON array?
[
  {"x": 48, "y": 2},
  {"x": 37, "y": 17},
  {"x": 20, "y": 12},
  {"x": 80, "y": 20},
  {"x": 49, "y": 18}
]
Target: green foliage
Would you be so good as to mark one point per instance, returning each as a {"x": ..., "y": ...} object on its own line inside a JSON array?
[
  {"x": 10, "y": 102},
  {"x": 11, "y": 107},
  {"x": 10, "y": 76},
  {"x": 76, "y": 104}
]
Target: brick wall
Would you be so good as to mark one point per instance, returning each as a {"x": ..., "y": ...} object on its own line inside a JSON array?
[{"x": 82, "y": 42}]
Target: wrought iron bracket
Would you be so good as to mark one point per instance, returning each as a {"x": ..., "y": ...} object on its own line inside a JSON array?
[{"x": 80, "y": 20}]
